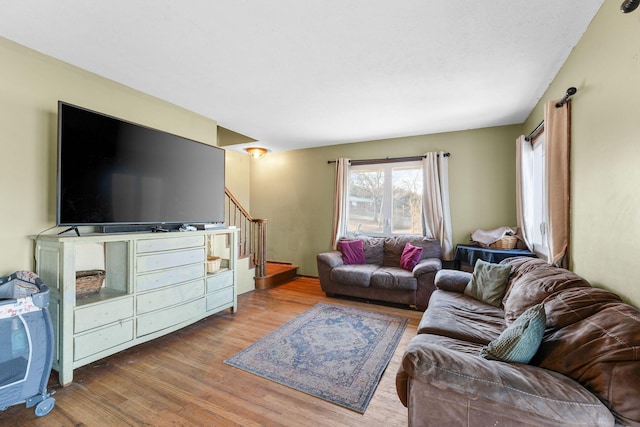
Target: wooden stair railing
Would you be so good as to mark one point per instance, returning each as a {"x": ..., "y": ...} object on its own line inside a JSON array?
[{"x": 252, "y": 233}]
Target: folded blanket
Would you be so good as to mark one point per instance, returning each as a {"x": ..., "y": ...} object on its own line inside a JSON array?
[{"x": 487, "y": 237}]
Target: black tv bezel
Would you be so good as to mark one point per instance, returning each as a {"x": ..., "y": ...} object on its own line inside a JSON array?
[{"x": 123, "y": 226}]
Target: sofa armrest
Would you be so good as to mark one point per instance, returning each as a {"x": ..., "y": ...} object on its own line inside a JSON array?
[
  {"x": 472, "y": 383},
  {"x": 332, "y": 259},
  {"x": 452, "y": 280},
  {"x": 427, "y": 265}
]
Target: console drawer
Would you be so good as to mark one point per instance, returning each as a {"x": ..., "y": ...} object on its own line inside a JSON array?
[
  {"x": 220, "y": 298},
  {"x": 158, "y": 320},
  {"x": 96, "y": 315},
  {"x": 156, "y": 245},
  {"x": 164, "y": 260},
  {"x": 167, "y": 297},
  {"x": 105, "y": 338},
  {"x": 219, "y": 281},
  {"x": 162, "y": 278}
]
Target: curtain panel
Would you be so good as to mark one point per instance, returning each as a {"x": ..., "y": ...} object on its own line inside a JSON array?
[
  {"x": 524, "y": 184},
  {"x": 436, "y": 215},
  {"x": 340, "y": 201},
  {"x": 558, "y": 139}
]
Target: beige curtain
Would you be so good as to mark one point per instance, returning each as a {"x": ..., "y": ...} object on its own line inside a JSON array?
[
  {"x": 436, "y": 213},
  {"x": 558, "y": 139},
  {"x": 524, "y": 184},
  {"x": 340, "y": 201}
]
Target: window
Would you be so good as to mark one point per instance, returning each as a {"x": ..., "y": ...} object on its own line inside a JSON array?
[
  {"x": 543, "y": 185},
  {"x": 539, "y": 196},
  {"x": 385, "y": 199}
]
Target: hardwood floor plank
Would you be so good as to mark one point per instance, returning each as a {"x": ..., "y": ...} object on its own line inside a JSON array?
[{"x": 181, "y": 379}]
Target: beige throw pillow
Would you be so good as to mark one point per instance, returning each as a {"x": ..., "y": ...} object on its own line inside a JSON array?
[{"x": 488, "y": 283}]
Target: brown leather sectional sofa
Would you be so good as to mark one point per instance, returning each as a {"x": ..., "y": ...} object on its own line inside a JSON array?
[
  {"x": 586, "y": 371},
  {"x": 381, "y": 278}
]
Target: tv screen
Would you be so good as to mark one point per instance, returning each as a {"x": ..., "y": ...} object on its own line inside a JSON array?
[{"x": 111, "y": 171}]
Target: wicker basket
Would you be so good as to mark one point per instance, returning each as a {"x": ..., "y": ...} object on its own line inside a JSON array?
[
  {"x": 213, "y": 264},
  {"x": 89, "y": 282},
  {"x": 507, "y": 242}
]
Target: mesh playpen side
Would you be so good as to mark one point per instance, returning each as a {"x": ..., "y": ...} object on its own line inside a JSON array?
[{"x": 26, "y": 342}]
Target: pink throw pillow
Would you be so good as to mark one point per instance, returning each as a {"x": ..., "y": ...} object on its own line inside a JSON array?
[
  {"x": 410, "y": 256},
  {"x": 352, "y": 251}
]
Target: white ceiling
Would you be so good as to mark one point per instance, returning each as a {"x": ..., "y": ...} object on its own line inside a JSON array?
[{"x": 304, "y": 73}]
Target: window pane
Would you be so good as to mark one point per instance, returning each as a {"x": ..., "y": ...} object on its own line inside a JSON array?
[
  {"x": 385, "y": 199},
  {"x": 407, "y": 201},
  {"x": 365, "y": 201},
  {"x": 539, "y": 197}
]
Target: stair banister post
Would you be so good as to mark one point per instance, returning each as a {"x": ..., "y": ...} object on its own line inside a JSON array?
[{"x": 261, "y": 261}]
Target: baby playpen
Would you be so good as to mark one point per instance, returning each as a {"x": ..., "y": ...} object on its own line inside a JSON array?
[{"x": 26, "y": 342}]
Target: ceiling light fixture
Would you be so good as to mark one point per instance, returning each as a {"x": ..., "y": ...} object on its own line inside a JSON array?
[{"x": 256, "y": 152}]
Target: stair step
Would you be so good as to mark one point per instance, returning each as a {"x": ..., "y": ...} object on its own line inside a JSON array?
[{"x": 277, "y": 274}]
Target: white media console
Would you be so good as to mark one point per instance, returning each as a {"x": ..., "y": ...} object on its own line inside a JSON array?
[{"x": 155, "y": 283}]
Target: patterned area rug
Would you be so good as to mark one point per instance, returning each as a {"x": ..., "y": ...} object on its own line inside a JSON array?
[{"x": 335, "y": 353}]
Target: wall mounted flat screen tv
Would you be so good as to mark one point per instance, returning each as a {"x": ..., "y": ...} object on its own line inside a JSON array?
[{"x": 114, "y": 172}]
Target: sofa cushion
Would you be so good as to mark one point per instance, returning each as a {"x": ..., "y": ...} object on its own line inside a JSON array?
[
  {"x": 393, "y": 247},
  {"x": 373, "y": 249},
  {"x": 542, "y": 397},
  {"x": 410, "y": 256},
  {"x": 456, "y": 315},
  {"x": 533, "y": 280},
  {"x": 594, "y": 338},
  {"x": 488, "y": 282},
  {"x": 431, "y": 248},
  {"x": 352, "y": 251},
  {"x": 353, "y": 275},
  {"x": 521, "y": 340},
  {"x": 393, "y": 278},
  {"x": 576, "y": 304}
]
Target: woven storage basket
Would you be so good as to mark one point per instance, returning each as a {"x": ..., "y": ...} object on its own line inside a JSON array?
[
  {"x": 213, "y": 264},
  {"x": 507, "y": 242},
  {"x": 89, "y": 282}
]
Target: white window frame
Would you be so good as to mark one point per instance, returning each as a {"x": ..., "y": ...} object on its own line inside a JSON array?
[{"x": 387, "y": 203}]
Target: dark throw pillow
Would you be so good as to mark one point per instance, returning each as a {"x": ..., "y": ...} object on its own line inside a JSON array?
[
  {"x": 410, "y": 256},
  {"x": 488, "y": 283},
  {"x": 352, "y": 251},
  {"x": 521, "y": 340}
]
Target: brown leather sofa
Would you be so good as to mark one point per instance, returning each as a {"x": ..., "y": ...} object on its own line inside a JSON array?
[
  {"x": 381, "y": 277},
  {"x": 586, "y": 371}
]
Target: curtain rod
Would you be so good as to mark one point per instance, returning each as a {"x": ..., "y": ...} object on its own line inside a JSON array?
[
  {"x": 570, "y": 92},
  {"x": 387, "y": 160},
  {"x": 535, "y": 132}
]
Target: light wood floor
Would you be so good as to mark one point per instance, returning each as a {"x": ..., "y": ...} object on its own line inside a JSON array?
[{"x": 181, "y": 380}]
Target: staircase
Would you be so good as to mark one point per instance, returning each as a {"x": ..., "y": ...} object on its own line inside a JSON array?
[
  {"x": 252, "y": 237},
  {"x": 277, "y": 274}
]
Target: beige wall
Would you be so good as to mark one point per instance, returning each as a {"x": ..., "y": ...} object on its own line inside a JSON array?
[
  {"x": 237, "y": 177},
  {"x": 31, "y": 85},
  {"x": 605, "y": 196},
  {"x": 294, "y": 190}
]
